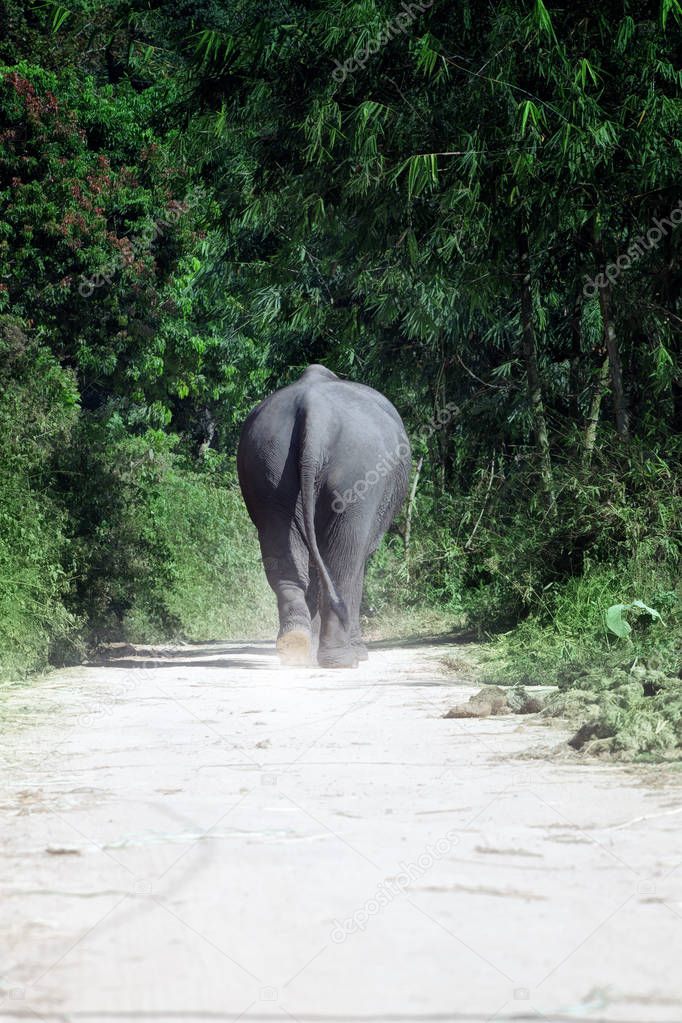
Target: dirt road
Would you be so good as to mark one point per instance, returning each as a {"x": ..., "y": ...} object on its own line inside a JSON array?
[{"x": 201, "y": 835}]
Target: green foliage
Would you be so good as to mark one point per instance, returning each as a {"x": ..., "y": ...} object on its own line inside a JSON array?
[
  {"x": 625, "y": 696},
  {"x": 37, "y": 412},
  {"x": 214, "y": 586},
  {"x": 195, "y": 204},
  {"x": 163, "y": 549},
  {"x": 619, "y": 625}
]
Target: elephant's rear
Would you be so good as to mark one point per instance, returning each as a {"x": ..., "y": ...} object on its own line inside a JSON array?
[
  {"x": 324, "y": 467},
  {"x": 370, "y": 463},
  {"x": 349, "y": 435},
  {"x": 266, "y": 456}
]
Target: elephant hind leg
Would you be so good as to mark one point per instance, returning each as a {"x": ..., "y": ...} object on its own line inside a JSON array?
[
  {"x": 287, "y": 573},
  {"x": 336, "y": 649},
  {"x": 342, "y": 647},
  {"x": 295, "y": 648},
  {"x": 295, "y": 639},
  {"x": 359, "y": 648}
]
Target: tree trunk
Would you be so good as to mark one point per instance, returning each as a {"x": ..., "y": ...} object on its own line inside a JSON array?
[
  {"x": 576, "y": 355},
  {"x": 408, "y": 515},
  {"x": 467, "y": 545},
  {"x": 208, "y": 429},
  {"x": 599, "y": 390},
  {"x": 615, "y": 364},
  {"x": 610, "y": 340},
  {"x": 532, "y": 373}
]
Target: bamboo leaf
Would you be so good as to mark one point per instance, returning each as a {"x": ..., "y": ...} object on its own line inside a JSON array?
[
  {"x": 670, "y": 7},
  {"x": 544, "y": 20}
]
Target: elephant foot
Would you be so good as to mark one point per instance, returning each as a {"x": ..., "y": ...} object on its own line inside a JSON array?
[
  {"x": 360, "y": 651},
  {"x": 340, "y": 658},
  {"x": 295, "y": 648}
]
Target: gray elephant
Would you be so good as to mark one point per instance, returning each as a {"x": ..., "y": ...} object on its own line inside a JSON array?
[{"x": 324, "y": 466}]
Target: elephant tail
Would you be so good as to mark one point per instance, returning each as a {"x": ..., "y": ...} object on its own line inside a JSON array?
[{"x": 307, "y": 467}]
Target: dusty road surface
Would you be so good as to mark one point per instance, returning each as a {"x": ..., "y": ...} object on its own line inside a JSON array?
[{"x": 197, "y": 834}]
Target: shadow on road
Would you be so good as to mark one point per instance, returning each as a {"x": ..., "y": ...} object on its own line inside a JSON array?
[
  {"x": 260, "y": 654},
  {"x": 443, "y": 639},
  {"x": 189, "y": 655},
  {"x": 172, "y": 662}
]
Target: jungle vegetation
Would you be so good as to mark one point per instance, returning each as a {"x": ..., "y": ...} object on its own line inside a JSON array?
[{"x": 473, "y": 207}]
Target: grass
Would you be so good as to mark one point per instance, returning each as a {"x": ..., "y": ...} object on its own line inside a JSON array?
[
  {"x": 214, "y": 586},
  {"x": 622, "y": 694},
  {"x": 401, "y": 623}
]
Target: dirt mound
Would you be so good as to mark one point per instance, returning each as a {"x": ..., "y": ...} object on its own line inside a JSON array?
[{"x": 492, "y": 701}]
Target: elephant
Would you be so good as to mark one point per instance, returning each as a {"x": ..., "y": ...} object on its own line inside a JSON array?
[{"x": 323, "y": 467}]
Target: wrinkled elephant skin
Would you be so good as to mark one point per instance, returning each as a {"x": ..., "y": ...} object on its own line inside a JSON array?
[{"x": 324, "y": 466}]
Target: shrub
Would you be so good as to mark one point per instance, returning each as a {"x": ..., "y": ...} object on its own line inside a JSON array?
[
  {"x": 216, "y": 585},
  {"x": 163, "y": 549},
  {"x": 37, "y": 412}
]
